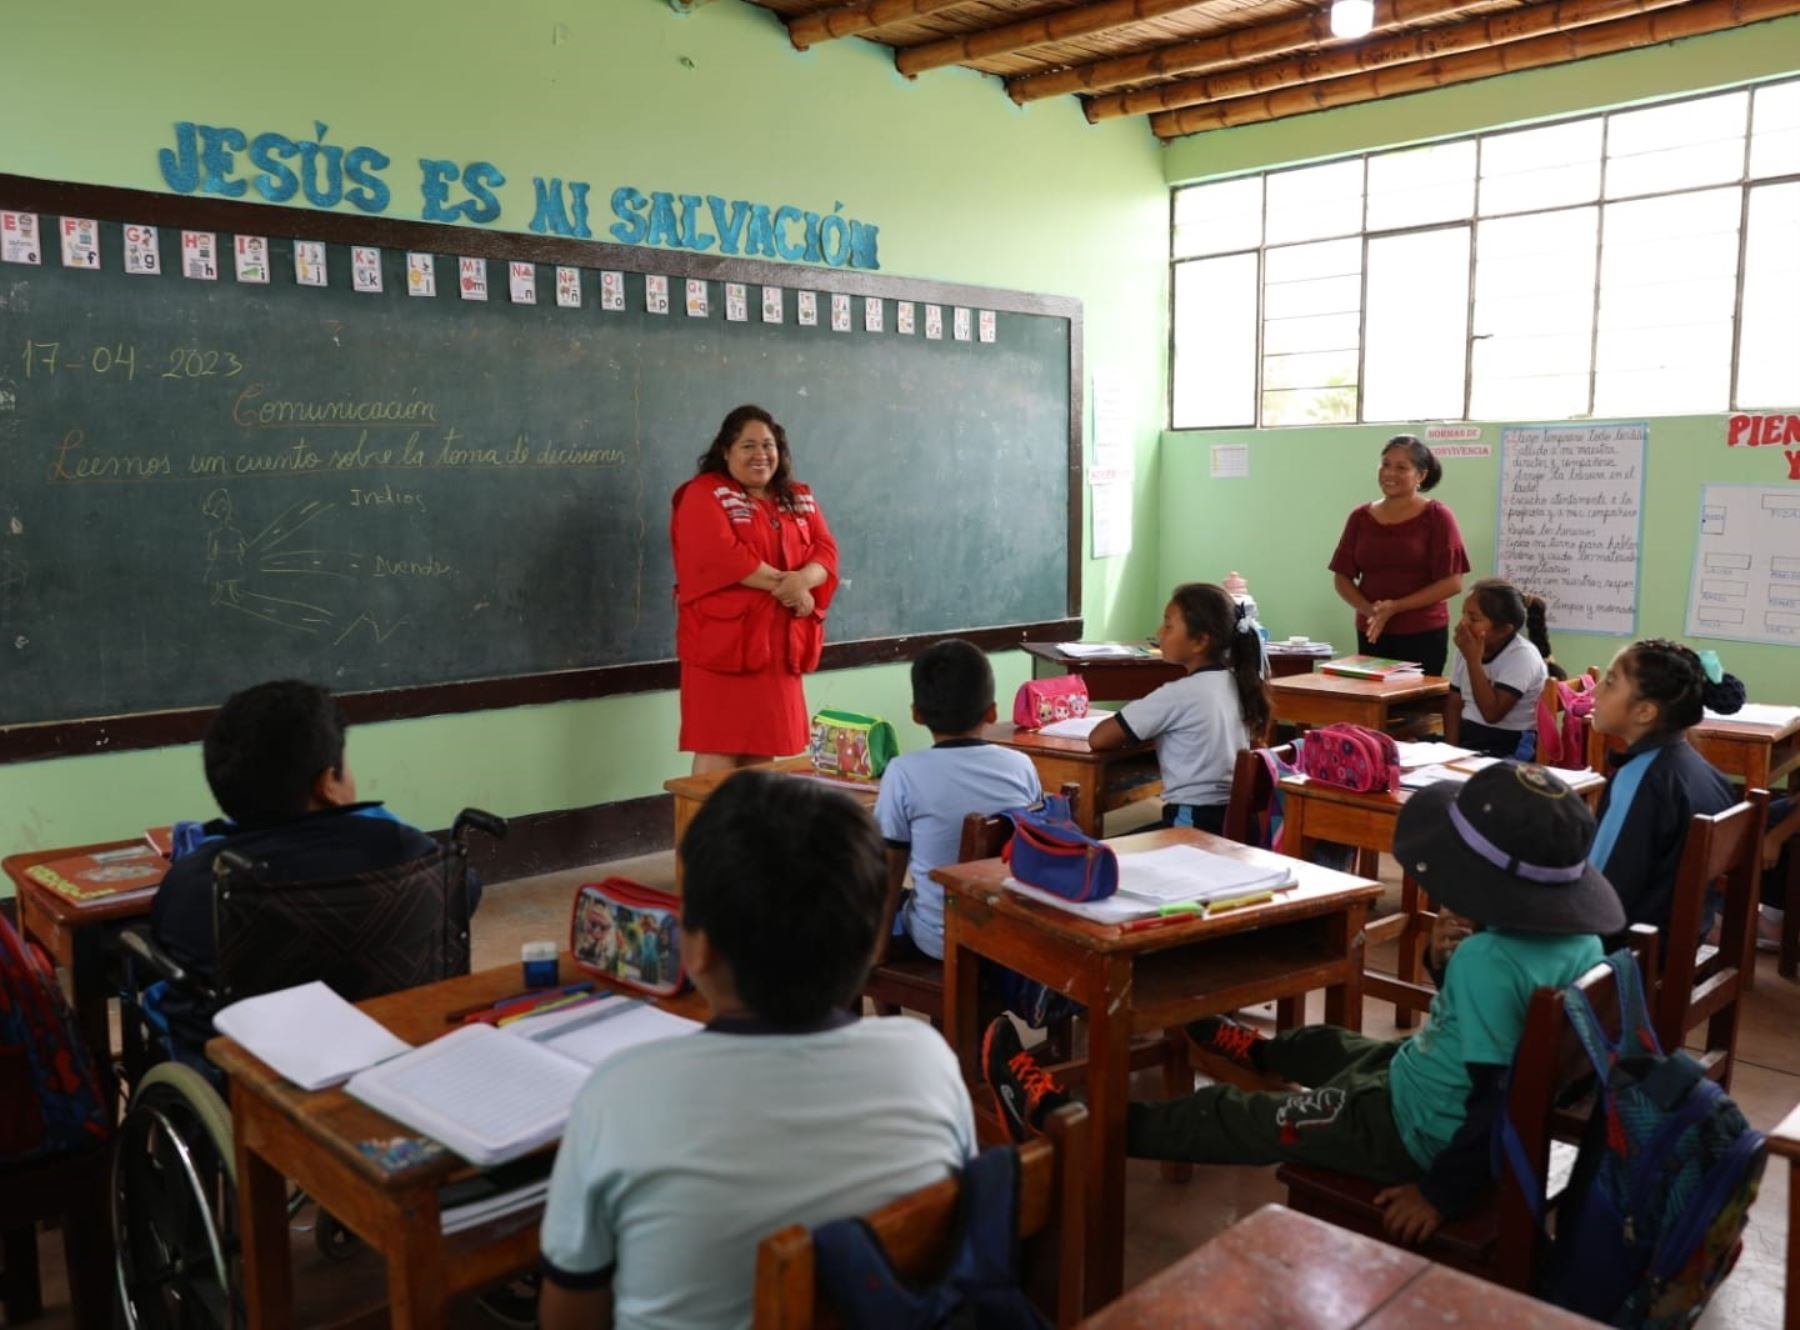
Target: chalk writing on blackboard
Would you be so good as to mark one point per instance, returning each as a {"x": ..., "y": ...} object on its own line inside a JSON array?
[{"x": 1571, "y": 506}]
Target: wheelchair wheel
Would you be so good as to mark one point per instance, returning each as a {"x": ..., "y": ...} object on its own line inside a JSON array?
[{"x": 175, "y": 1205}]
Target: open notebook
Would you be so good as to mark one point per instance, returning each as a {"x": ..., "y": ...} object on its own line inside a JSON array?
[{"x": 1176, "y": 875}]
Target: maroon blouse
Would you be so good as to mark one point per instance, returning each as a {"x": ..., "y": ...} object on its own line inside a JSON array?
[{"x": 1388, "y": 562}]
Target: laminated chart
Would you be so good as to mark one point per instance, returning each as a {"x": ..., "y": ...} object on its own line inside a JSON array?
[{"x": 1746, "y": 583}]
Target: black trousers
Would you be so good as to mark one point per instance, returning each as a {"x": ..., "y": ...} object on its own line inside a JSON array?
[{"x": 1431, "y": 648}]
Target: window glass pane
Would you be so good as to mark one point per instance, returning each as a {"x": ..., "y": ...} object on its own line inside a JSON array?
[
  {"x": 1769, "y": 351},
  {"x": 1418, "y": 326},
  {"x": 1215, "y": 342},
  {"x": 1534, "y": 316},
  {"x": 1674, "y": 147},
  {"x": 1315, "y": 201},
  {"x": 1541, "y": 168},
  {"x": 1215, "y": 219},
  {"x": 1668, "y": 284},
  {"x": 1312, "y": 299},
  {"x": 1775, "y": 131},
  {"x": 1422, "y": 185}
]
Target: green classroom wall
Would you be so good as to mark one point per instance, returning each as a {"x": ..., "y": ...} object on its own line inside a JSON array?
[
  {"x": 1279, "y": 525},
  {"x": 964, "y": 186}
]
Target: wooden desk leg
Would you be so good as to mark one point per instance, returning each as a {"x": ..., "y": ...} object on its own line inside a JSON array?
[
  {"x": 1090, "y": 809},
  {"x": 415, "y": 1267},
  {"x": 962, "y": 992},
  {"x": 1406, "y": 956},
  {"x": 1109, "y": 1088},
  {"x": 1791, "y": 1319},
  {"x": 266, "y": 1266},
  {"x": 1343, "y": 1002},
  {"x": 87, "y": 979},
  {"x": 1178, "y": 1083},
  {"x": 1290, "y": 1013}
]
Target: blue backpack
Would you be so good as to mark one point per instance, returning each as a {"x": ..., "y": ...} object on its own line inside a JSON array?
[
  {"x": 979, "y": 1291},
  {"x": 1653, "y": 1219}
]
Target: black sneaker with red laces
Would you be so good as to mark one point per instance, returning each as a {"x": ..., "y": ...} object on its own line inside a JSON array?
[
  {"x": 1223, "y": 1037},
  {"x": 1024, "y": 1093}
]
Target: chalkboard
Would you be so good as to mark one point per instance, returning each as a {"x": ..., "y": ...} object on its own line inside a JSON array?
[{"x": 208, "y": 482}]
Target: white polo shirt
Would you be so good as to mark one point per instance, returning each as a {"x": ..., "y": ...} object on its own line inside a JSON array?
[
  {"x": 1198, "y": 725},
  {"x": 682, "y": 1155},
  {"x": 1518, "y": 666}
]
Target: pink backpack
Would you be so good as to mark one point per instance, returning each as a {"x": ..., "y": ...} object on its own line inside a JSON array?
[
  {"x": 1352, "y": 757},
  {"x": 1041, "y": 702},
  {"x": 1563, "y": 741}
]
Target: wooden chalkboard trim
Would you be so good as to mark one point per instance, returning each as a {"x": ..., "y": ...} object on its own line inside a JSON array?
[{"x": 158, "y": 729}]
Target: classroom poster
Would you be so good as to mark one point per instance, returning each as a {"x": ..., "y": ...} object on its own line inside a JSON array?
[
  {"x": 988, "y": 325},
  {"x": 872, "y": 317},
  {"x": 696, "y": 298},
  {"x": 365, "y": 269},
  {"x": 200, "y": 255},
  {"x": 80, "y": 242},
  {"x": 1111, "y": 503},
  {"x": 656, "y": 293},
  {"x": 772, "y": 311},
  {"x": 1746, "y": 578},
  {"x": 251, "y": 256},
  {"x": 737, "y": 302},
  {"x": 309, "y": 262},
  {"x": 903, "y": 317},
  {"x": 1571, "y": 521},
  {"x": 521, "y": 282},
  {"x": 612, "y": 290},
  {"x": 19, "y": 238},
  {"x": 934, "y": 323},
  {"x": 421, "y": 275},
  {"x": 472, "y": 278},
  {"x": 568, "y": 287},
  {"x": 143, "y": 252},
  {"x": 840, "y": 312},
  {"x": 961, "y": 325},
  {"x": 808, "y": 308}
]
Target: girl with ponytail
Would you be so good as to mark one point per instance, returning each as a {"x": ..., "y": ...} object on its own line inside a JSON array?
[
  {"x": 1202, "y": 721},
  {"x": 1651, "y": 695}
]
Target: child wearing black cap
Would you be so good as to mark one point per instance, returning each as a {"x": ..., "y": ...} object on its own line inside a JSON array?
[{"x": 1508, "y": 851}]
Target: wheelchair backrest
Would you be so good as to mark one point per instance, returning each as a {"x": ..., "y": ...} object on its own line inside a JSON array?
[{"x": 376, "y": 933}]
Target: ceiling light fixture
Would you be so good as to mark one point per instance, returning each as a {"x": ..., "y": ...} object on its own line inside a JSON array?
[{"x": 1352, "y": 18}]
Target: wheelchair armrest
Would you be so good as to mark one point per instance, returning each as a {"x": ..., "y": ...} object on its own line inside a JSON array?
[{"x": 138, "y": 941}]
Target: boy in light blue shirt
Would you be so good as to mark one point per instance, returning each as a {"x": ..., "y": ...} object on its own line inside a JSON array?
[{"x": 926, "y": 795}]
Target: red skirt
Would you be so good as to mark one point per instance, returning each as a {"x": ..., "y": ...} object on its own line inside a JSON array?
[{"x": 763, "y": 714}]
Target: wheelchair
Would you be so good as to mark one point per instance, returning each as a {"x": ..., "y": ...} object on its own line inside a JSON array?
[{"x": 174, "y": 1179}]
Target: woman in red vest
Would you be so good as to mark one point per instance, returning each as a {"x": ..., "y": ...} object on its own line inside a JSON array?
[{"x": 755, "y": 570}]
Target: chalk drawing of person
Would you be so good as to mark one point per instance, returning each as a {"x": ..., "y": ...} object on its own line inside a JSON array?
[{"x": 225, "y": 550}]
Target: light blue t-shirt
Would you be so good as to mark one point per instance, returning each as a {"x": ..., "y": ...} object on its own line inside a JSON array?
[
  {"x": 1477, "y": 1016},
  {"x": 925, "y": 796},
  {"x": 682, "y": 1155}
]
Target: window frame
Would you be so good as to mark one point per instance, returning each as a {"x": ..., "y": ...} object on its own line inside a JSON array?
[{"x": 1744, "y": 183}]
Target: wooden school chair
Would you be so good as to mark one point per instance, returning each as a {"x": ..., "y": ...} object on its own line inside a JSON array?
[
  {"x": 72, "y": 1190},
  {"x": 1784, "y": 1142},
  {"x": 1499, "y": 1241},
  {"x": 1701, "y": 984},
  {"x": 919, "y": 1233},
  {"x": 916, "y": 983},
  {"x": 1785, "y": 834}
]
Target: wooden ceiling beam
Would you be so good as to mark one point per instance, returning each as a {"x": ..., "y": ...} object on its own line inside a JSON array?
[
  {"x": 1236, "y": 47},
  {"x": 823, "y": 25},
  {"x": 1692, "y": 19},
  {"x": 1513, "y": 25},
  {"x": 1082, "y": 21}
]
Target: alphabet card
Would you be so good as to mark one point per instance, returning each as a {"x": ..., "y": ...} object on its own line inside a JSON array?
[
  {"x": 962, "y": 324},
  {"x": 251, "y": 256},
  {"x": 472, "y": 278},
  {"x": 568, "y": 287},
  {"x": 365, "y": 269},
  {"x": 200, "y": 255},
  {"x": 840, "y": 312},
  {"x": 809, "y": 308},
  {"x": 309, "y": 262},
  {"x": 772, "y": 312},
  {"x": 421, "y": 274},
  {"x": 612, "y": 290},
  {"x": 934, "y": 323},
  {"x": 80, "y": 242},
  {"x": 737, "y": 302},
  {"x": 521, "y": 282},
  {"x": 903, "y": 317},
  {"x": 143, "y": 256},
  {"x": 696, "y": 297},
  {"x": 656, "y": 293},
  {"x": 872, "y": 314},
  {"x": 19, "y": 238}
]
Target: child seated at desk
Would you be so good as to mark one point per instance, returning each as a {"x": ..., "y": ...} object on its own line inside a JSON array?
[
  {"x": 1506, "y": 850},
  {"x": 1499, "y": 672},
  {"x": 925, "y": 795},
  {"x": 1202, "y": 721},
  {"x": 274, "y": 758},
  {"x": 1651, "y": 695},
  {"x": 681, "y": 1156}
]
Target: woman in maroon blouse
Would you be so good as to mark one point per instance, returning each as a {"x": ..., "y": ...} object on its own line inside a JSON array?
[{"x": 1400, "y": 560}]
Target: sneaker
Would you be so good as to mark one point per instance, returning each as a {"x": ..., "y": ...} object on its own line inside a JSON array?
[
  {"x": 1023, "y": 1091},
  {"x": 1223, "y": 1037},
  {"x": 513, "y": 1303}
]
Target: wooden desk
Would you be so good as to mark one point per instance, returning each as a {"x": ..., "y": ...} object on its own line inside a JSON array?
[
  {"x": 1126, "y": 678},
  {"x": 77, "y": 938},
  {"x": 692, "y": 791},
  {"x": 1325, "y": 699},
  {"x": 1150, "y": 981},
  {"x": 1108, "y": 780},
  {"x": 1278, "y": 1270},
  {"x": 1759, "y": 755},
  {"x": 1784, "y": 1142},
  {"x": 282, "y": 1132},
  {"x": 1318, "y": 812}
]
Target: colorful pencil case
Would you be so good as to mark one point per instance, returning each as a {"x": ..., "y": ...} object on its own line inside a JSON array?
[
  {"x": 851, "y": 745},
  {"x": 629, "y": 933}
]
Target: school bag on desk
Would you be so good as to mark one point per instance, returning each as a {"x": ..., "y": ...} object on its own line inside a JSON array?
[
  {"x": 850, "y": 745},
  {"x": 1654, "y": 1214}
]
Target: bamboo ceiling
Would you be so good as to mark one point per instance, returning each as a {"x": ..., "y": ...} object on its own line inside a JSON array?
[{"x": 1197, "y": 65}]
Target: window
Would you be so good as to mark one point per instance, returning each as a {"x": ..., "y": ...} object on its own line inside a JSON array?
[{"x": 1641, "y": 262}]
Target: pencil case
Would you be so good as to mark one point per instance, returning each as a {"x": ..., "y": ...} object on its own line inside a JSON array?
[
  {"x": 1049, "y": 852},
  {"x": 628, "y": 933},
  {"x": 1041, "y": 702},
  {"x": 851, "y": 745}
]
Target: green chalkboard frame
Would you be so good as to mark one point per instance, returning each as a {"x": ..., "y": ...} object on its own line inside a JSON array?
[{"x": 160, "y": 728}]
